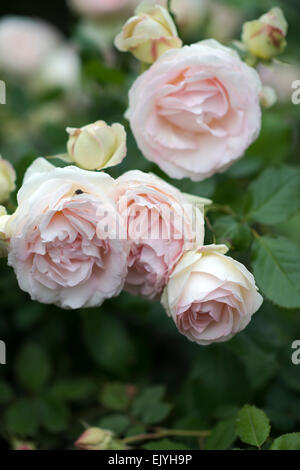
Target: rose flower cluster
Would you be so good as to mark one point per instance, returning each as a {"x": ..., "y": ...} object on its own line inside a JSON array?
[{"x": 79, "y": 237}]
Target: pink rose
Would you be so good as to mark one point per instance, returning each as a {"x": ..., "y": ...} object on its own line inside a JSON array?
[
  {"x": 64, "y": 245},
  {"x": 196, "y": 110},
  {"x": 24, "y": 44},
  {"x": 210, "y": 296},
  {"x": 161, "y": 223}
]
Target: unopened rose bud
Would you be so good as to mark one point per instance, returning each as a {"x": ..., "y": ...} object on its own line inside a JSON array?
[
  {"x": 19, "y": 445},
  {"x": 265, "y": 38},
  {"x": 267, "y": 97},
  {"x": 95, "y": 439},
  {"x": 7, "y": 180},
  {"x": 97, "y": 146},
  {"x": 148, "y": 34}
]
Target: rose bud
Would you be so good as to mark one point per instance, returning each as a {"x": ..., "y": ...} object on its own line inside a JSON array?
[
  {"x": 148, "y": 34},
  {"x": 7, "y": 180},
  {"x": 265, "y": 38},
  {"x": 94, "y": 439},
  {"x": 268, "y": 97},
  {"x": 97, "y": 146},
  {"x": 19, "y": 445},
  {"x": 210, "y": 296}
]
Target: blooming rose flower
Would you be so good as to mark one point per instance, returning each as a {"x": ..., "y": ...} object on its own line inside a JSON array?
[
  {"x": 210, "y": 297},
  {"x": 97, "y": 146},
  {"x": 161, "y": 223},
  {"x": 101, "y": 7},
  {"x": 63, "y": 241},
  {"x": 7, "y": 179},
  {"x": 196, "y": 110},
  {"x": 148, "y": 34},
  {"x": 60, "y": 69},
  {"x": 24, "y": 44}
]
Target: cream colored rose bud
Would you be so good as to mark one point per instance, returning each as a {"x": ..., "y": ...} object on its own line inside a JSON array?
[
  {"x": 267, "y": 97},
  {"x": 7, "y": 180},
  {"x": 148, "y": 34},
  {"x": 94, "y": 439},
  {"x": 265, "y": 38},
  {"x": 97, "y": 146}
]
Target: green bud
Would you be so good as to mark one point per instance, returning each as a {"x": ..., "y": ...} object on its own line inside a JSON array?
[{"x": 265, "y": 38}]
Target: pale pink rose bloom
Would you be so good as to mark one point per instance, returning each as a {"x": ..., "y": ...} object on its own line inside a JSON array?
[
  {"x": 161, "y": 223},
  {"x": 196, "y": 110},
  {"x": 63, "y": 237},
  {"x": 24, "y": 44},
  {"x": 101, "y": 7},
  {"x": 210, "y": 296}
]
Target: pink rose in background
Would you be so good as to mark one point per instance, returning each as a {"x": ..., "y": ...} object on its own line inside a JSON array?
[
  {"x": 101, "y": 7},
  {"x": 64, "y": 245},
  {"x": 24, "y": 43},
  {"x": 196, "y": 110},
  {"x": 210, "y": 296},
  {"x": 161, "y": 224}
]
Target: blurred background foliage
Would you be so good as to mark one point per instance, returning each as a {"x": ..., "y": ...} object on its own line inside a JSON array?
[{"x": 124, "y": 366}]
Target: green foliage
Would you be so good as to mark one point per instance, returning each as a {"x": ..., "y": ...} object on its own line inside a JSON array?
[
  {"x": 287, "y": 442},
  {"x": 165, "y": 444},
  {"x": 115, "y": 397},
  {"x": 277, "y": 270},
  {"x": 252, "y": 426},
  {"x": 33, "y": 367},
  {"x": 275, "y": 195},
  {"x": 230, "y": 231},
  {"x": 149, "y": 406},
  {"x": 222, "y": 436}
]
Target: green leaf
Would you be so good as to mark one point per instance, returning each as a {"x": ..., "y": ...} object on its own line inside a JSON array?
[
  {"x": 252, "y": 426},
  {"x": 136, "y": 429},
  {"x": 274, "y": 142},
  {"x": 260, "y": 364},
  {"x": 229, "y": 230},
  {"x": 165, "y": 444},
  {"x": 73, "y": 389},
  {"x": 114, "y": 396},
  {"x": 33, "y": 367},
  {"x": 287, "y": 442},
  {"x": 108, "y": 341},
  {"x": 21, "y": 418},
  {"x": 53, "y": 414},
  {"x": 275, "y": 195},
  {"x": 222, "y": 436},
  {"x": 277, "y": 270},
  {"x": 6, "y": 392},
  {"x": 117, "y": 423},
  {"x": 149, "y": 406}
]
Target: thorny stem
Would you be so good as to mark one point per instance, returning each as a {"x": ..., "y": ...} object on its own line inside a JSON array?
[
  {"x": 211, "y": 229},
  {"x": 165, "y": 433},
  {"x": 219, "y": 208}
]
